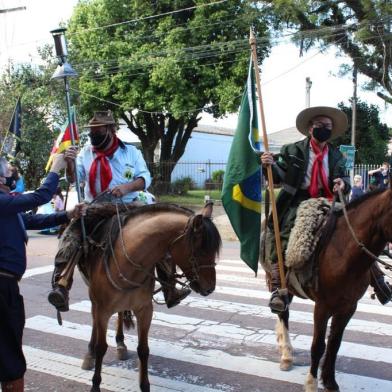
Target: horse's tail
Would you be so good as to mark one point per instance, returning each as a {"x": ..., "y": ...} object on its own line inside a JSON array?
[{"x": 128, "y": 319}]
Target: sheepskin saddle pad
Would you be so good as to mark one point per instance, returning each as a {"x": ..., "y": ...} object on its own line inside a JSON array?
[{"x": 310, "y": 219}]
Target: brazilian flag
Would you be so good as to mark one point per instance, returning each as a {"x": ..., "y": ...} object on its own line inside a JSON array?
[{"x": 241, "y": 194}]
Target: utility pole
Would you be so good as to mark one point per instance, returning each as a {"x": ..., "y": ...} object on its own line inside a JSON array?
[
  {"x": 354, "y": 116},
  {"x": 308, "y": 86}
]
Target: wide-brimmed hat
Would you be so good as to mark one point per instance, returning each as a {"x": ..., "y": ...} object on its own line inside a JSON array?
[
  {"x": 339, "y": 119},
  {"x": 100, "y": 119}
]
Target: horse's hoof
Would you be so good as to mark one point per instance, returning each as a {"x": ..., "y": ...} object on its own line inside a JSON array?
[
  {"x": 88, "y": 363},
  {"x": 145, "y": 387},
  {"x": 123, "y": 354},
  {"x": 95, "y": 389},
  {"x": 286, "y": 365},
  {"x": 311, "y": 384}
]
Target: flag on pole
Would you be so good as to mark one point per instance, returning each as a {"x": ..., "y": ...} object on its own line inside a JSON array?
[
  {"x": 241, "y": 194},
  {"x": 64, "y": 140},
  {"x": 16, "y": 122}
]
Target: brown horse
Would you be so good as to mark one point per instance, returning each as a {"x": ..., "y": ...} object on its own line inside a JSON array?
[
  {"x": 123, "y": 278},
  {"x": 343, "y": 277}
]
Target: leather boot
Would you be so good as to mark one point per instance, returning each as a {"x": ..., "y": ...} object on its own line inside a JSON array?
[
  {"x": 58, "y": 296},
  {"x": 172, "y": 295},
  {"x": 13, "y": 386},
  {"x": 279, "y": 301},
  {"x": 382, "y": 289}
]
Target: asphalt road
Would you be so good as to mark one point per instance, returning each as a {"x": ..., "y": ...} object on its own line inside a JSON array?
[{"x": 224, "y": 342}]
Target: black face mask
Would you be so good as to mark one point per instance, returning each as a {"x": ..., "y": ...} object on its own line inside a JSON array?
[
  {"x": 322, "y": 134},
  {"x": 10, "y": 182},
  {"x": 100, "y": 141}
]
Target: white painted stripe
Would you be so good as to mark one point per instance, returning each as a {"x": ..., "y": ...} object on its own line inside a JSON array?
[
  {"x": 385, "y": 310},
  {"x": 229, "y": 268},
  {"x": 248, "y": 293},
  {"x": 113, "y": 378},
  {"x": 210, "y": 357},
  {"x": 38, "y": 271},
  {"x": 224, "y": 333},
  {"x": 357, "y": 325}
]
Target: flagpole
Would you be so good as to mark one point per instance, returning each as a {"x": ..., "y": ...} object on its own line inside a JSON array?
[
  {"x": 252, "y": 42},
  {"x": 8, "y": 129}
]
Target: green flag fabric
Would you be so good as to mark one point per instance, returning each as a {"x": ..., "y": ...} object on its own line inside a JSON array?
[{"x": 241, "y": 194}]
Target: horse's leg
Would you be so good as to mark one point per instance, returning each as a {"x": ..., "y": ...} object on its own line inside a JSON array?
[
  {"x": 143, "y": 317},
  {"x": 283, "y": 338},
  {"x": 122, "y": 352},
  {"x": 320, "y": 320},
  {"x": 338, "y": 324},
  {"x": 89, "y": 358},
  {"x": 101, "y": 346}
]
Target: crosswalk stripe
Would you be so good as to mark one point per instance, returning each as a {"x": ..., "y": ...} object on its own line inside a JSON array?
[
  {"x": 226, "y": 332},
  {"x": 113, "y": 379},
  {"x": 209, "y": 357}
]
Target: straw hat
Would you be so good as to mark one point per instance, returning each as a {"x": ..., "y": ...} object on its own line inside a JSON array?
[
  {"x": 339, "y": 119},
  {"x": 101, "y": 119}
]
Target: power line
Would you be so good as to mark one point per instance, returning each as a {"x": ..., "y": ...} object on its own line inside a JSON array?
[{"x": 147, "y": 17}]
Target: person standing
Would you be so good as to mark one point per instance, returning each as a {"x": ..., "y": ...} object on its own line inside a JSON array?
[
  {"x": 13, "y": 239},
  {"x": 357, "y": 189},
  {"x": 381, "y": 175}
]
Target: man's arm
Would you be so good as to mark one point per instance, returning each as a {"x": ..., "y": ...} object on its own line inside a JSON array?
[{"x": 10, "y": 205}]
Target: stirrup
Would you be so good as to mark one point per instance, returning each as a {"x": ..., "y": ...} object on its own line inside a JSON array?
[
  {"x": 58, "y": 297},
  {"x": 383, "y": 291},
  {"x": 176, "y": 296},
  {"x": 279, "y": 301}
]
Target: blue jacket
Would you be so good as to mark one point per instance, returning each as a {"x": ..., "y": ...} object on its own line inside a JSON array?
[{"x": 14, "y": 222}]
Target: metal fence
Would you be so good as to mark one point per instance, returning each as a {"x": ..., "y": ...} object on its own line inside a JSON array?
[{"x": 200, "y": 175}]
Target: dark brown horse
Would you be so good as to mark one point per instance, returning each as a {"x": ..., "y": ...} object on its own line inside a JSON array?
[
  {"x": 344, "y": 276},
  {"x": 123, "y": 279}
]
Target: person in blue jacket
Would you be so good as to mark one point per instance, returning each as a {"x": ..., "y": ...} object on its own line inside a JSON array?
[{"x": 13, "y": 239}]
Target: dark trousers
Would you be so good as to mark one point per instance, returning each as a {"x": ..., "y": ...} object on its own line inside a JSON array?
[{"x": 12, "y": 320}]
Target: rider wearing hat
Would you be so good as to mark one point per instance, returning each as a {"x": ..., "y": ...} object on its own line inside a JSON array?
[
  {"x": 107, "y": 164},
  {"x": 309, "y": 168}
]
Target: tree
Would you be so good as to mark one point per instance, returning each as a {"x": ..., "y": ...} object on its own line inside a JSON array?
[
  {"x": 372, "y": 136},
  {"x": 39, "y": 113},
  {"x": 361, "y": 29},
  {"x": 157, "y": 74}
]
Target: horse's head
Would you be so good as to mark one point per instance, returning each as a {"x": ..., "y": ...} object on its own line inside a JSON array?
[{"x": 196, "y": 249}]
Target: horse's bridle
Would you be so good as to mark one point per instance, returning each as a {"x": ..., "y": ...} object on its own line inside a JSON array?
[
  {"x": 194, "y": 265},
  {"x": 357, "y": 241}
]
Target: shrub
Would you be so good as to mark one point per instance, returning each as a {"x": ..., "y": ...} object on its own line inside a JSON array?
[{"x": 182, "y": 185}]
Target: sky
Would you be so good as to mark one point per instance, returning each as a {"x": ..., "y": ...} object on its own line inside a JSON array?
[{"x": 283, "y": 73}]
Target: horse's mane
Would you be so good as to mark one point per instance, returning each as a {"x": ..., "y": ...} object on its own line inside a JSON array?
[{"x": 330, "y": 225}]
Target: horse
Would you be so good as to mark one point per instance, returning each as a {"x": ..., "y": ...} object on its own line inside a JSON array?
[
  {"x": 122, "y": 278},
  {"x": 343, "y": 278}
]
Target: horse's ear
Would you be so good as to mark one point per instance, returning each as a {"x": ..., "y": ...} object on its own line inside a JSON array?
[
  {"x": 197, "y": 222},
  {"x": 207, "y": 209}
]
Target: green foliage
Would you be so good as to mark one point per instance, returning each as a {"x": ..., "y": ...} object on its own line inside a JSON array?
[
  {"x": 182, "y": 185},
  {"x": 372, "y": 136},
  {"x": 39, "y": 112},
  {"x": 162, "y": 72},
  {"x": 361, "y": 29},
  {"x": 217, "y": 175}
]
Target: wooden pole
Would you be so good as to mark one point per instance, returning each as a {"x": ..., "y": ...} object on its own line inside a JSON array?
[{"x": 252, "y": 42}]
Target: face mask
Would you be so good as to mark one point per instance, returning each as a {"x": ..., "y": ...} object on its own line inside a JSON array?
[
  {"x": 322, "y": 134},
  {"x": 100, "y": 141},
  {"x": 10, "y": 182}
]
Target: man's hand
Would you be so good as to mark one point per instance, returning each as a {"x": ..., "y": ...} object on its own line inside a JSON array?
[
  {"x": 121, "y": 190},
  {"x": 71, "y": 153},
  {"x": 78, "y": 211},
  {"x": 339, "y": 184},
  {"x": 58, "y": 163},
  {"x": 267, "y": 159}
]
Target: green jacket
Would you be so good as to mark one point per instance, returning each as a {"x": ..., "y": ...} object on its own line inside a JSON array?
[{"x": 290, "y": 169}]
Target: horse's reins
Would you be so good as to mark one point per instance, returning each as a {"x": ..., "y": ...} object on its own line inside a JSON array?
[
  {"x": 357, "y": 241},
  {"x": 193, "y": 261}
]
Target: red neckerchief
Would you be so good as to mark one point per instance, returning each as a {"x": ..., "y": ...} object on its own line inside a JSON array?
[
  {"x": 318, "y": 171},
  {"x": 106, "y": 171}
]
